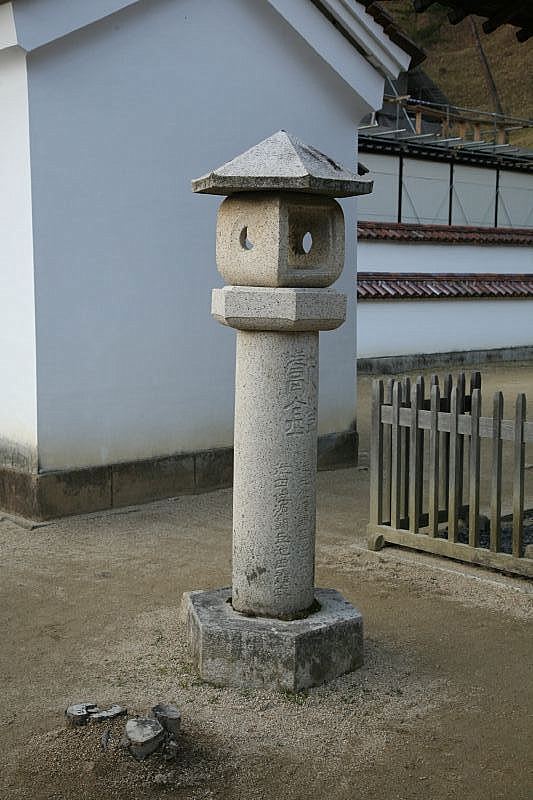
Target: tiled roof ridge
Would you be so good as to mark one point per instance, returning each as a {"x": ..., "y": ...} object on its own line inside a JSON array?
[
  {"x": 450, "y": 285},
  {"x": 452, "y": 234}
]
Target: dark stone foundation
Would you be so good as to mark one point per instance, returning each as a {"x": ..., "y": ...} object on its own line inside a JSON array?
[{"x": 41, "y": 496}]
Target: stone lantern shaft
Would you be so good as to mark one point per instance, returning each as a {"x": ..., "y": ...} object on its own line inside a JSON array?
[{"x": 274, "y": 494}]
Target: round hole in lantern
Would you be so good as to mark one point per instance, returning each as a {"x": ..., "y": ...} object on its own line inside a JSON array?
[
  {"x": 307, "y": 242},
  {"x": 246, "y": 243}
]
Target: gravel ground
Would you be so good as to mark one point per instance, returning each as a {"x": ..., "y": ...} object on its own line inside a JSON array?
[{"x": 89, "y": 609}]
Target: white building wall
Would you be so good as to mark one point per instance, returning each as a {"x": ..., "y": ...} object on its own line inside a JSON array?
[
  {"x": 389, "y": 256},
  {"x": 404, "y": 327},
  {"x": 18, "y": 414},
  {"x": 474, "y": 196},
  {"x": 515, "y": 207},
  {"x": 426, "y": 190},
  {"x": 124, "y": 114},
  {"x": 382, "y": 203}
]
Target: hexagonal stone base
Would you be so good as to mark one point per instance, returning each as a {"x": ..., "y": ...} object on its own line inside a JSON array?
[{"x": 233, "y": 650}]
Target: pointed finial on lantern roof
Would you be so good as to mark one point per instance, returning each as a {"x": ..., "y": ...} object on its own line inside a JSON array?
[{"x": 283, "y": 163}]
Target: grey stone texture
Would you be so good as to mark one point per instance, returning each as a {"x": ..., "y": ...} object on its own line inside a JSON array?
[
  {"x": 144, "y": 735},
  {"x": 264, "y": 309},
  {"x": 234, "y": 650},
  {"x": 274, "y": 488},
  {"x": 78, "y": 713},
  {"x": 81, "y": 713},
  {"x": 112, "y": 712},
  {"x": 280, "y": 240},
  {"x": 169, "y": 716},
  {"x": 282, "y": 162}
]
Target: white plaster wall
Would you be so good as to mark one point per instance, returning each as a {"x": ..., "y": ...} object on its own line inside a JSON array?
[
  {"x": 425, "y": 195},
  {"x": 382, "y": 203},
  {"x": 124, "y": 114},
  {"x": 440, "y": 326},
  {"x": 474, "y": 196},
  {"x": 415, "y": 257},
  {"x": 54, "y": 18},
  {"x": 18, "y": 415},
  {"x": 515, "y": 199}
]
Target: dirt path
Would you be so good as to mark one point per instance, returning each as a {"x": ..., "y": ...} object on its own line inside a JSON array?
[{"x": 89, "y": 610}]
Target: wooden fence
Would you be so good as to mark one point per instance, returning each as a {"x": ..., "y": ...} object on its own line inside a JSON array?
[{"x": 426, "y": 471}]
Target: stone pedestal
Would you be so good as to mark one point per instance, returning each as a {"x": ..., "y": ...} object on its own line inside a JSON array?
[
  {"x": 231, "y": 649},
  {"x": 280, "y": 249}
]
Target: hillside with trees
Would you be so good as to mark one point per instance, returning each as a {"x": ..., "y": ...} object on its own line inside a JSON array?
[{"x": 455, "y": 61}]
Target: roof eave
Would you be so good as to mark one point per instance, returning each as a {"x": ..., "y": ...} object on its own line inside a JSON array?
[
  {"x": 308, "y": 184},
  {"x": 364, "y": 28},
  {"x": 8, "y": 32}
]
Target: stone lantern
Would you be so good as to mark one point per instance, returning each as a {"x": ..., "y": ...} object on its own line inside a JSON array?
[{"x": 279, "y": 244}]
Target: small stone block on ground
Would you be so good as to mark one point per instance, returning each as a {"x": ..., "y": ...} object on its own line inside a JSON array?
[
  {"x": 78, "y": 713},
  {"x": 144, "y": 735},
  {"x": 231, "y": 649},
  {"x": 169, "y": 717},
  {"x": 110, "y": 713}
]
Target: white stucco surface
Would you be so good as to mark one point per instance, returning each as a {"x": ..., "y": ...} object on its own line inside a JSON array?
[
  {"x": 124, "y": 113},
  {"x": 18, "y": 416},
  {"x": 8, "y": 33},
  {"x": 39, "y": 23},
  {"x": 381, "y": 204},
  {"x": 474, "y": 190},
  {"x": 417, "y": 257},
  {"x": 515, "y": 206},
  {"x": 442, "y": 326}
]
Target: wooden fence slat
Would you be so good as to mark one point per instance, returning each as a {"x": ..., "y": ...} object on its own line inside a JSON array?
[
  {"x": 420, "y": 470},
  {"x": 454, "y": 464},
  {"x": 518, "y": 476},
  {"x": 496, "y": 478},
  {"x": 396, "y": 464},
  {"x": 434, "y": 464},
  {"x": 406, "y": 395},
  {"x": 475, "y": 381},
  {"x": 387, "y": 462},
  {"x": 376, "y": 455},
  {"x": 461, "y": 384},
  {"x": 474, "y": 468},
  {"x": 444, "y": 446},
  {"x": 415, "y": 461}
]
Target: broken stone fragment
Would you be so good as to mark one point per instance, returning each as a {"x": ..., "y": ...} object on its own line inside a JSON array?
[
  {"x": 144, "y": 736},
  {"x": 105, "y": 738},
  {"x": 170, "y": 749},
  {"x": 169, "y": 717},
  {"x": 78, "y": 713},
  {"x": 111, "y": 713}
]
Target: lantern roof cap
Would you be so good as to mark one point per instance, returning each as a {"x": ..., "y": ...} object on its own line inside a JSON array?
[{"x": 282, "y": 162}]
